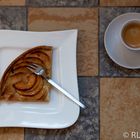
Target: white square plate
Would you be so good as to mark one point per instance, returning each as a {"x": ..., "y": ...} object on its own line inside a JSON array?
[{"x": 60, "y": 112}]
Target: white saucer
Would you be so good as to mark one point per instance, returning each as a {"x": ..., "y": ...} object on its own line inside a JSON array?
[{"x": 114, "y": 47}]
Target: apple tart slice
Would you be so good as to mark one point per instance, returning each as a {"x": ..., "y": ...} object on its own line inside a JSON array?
[{"x": 20, "y": 84}]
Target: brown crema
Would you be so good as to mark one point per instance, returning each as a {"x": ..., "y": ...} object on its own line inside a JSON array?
[{"x": 131, "y": 34}]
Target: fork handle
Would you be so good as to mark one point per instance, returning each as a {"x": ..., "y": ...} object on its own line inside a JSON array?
[{"x": 65, "y": 93}]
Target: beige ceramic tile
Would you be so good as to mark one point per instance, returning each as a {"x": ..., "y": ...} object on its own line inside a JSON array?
[
  {"x": 119, "y": 107},
  {"x": 12, "y": 2},
  {"x": 85, "y": 19},
  {"x": 120, "y": 2},
  {"x": 11, "y": 134}
]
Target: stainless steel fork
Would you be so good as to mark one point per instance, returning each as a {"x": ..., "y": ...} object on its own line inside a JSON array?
[{"x": 39, "y": 70}]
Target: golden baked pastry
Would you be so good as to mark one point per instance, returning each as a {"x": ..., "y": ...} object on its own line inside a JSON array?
[{"x": 20, "y": 84}]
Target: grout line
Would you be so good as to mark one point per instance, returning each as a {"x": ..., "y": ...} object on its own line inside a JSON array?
[
  {"x": 96, "y": 76},
  {"x": 99, "y": 3},
  {"x": 24, "y": 134},
  {"x": 98, "y": 42},
  {"x": 12, "y": 6},
  {"x": 97, "y": 6},
  {"x": 99, "y": 95},
  {"x": 38, "y": 6},
  {"x": 26, "y": 18},
  {"x": 120, "y": 76},
  {"x": 113, "y": 6},
  {"x": 99, "y": 72},
  {"x": 26, "y": 3},
  {"x": 61, "y": 7}
]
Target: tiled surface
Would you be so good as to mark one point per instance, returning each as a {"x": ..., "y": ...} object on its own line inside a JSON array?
[
  {"x": 13, "y": 18},
  {"x": 107, "y": 66},
  {"x": 12, "y": 2},
  {"x": 84, "y": 19},
  {"x": 119, "y": 97},
  {"x": 87, "y": 126},
  {"x": 11, "y": 134},
  {"x": 119, "y": 107},
  {"x": 120, "y": 2},
  {"x": 68, "y": 3}
]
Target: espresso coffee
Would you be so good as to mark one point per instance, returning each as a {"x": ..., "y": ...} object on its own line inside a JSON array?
[{"x": 131, "y": 34}]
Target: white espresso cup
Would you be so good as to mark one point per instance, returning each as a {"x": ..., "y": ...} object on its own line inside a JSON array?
[{"x": 130, "y": 34}]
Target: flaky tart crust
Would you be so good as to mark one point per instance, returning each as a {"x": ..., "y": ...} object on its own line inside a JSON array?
[{"x": 19, "y": 84}]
